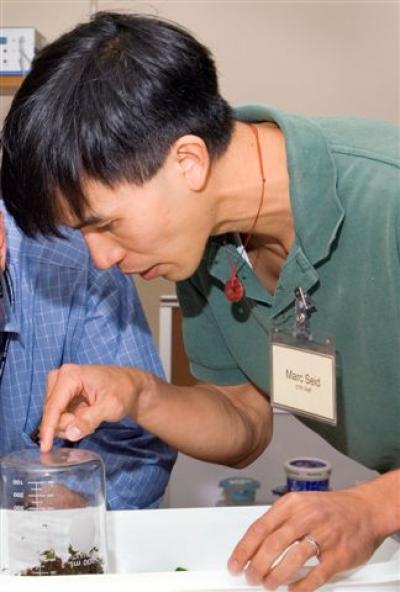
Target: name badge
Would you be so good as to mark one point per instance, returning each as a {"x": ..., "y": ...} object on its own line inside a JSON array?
[
  {"x": 304, "y": 370},
  {"x": 304, "y": 377}
]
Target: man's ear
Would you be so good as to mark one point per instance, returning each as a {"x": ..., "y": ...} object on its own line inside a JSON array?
[{"x": 192, "y": 157}]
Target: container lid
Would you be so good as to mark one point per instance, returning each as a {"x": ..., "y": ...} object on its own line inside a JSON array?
[
  {"x": 56, "y": 459},
  {"x": 239, "y": 482},
  {"x": 308, "y": 465}
]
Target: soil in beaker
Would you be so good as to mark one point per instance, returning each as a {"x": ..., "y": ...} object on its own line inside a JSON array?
[{"x": 76, "y": 563}]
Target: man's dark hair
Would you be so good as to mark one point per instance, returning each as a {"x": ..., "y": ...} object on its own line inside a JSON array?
[{"x": 106, "y": 101}]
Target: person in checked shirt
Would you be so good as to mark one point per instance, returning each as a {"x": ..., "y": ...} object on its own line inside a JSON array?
[{"x": 58, "y": 308}]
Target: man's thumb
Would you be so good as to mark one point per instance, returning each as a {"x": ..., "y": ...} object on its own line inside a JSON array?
[
  {"x": 87, "y": 419},
  {"x": 73, "y": 433}
]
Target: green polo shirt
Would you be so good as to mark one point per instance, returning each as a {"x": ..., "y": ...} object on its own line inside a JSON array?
[{"x": 345, "y": 195}]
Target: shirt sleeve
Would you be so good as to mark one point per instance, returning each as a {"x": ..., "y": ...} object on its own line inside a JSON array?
[
  {"x": 210, "y": 358},
  {"x": 115, "y": 331}
]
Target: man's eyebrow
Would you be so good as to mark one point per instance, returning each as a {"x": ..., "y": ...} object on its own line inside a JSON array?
[{"x": 90, "y": 221}]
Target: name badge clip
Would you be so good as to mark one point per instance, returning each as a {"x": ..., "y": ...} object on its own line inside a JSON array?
[{"x": 303, "y": 309}]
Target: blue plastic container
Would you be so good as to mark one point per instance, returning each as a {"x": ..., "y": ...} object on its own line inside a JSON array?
[
  {"x": 239, "y": 491},
  {"x": 307, "y": 474}
]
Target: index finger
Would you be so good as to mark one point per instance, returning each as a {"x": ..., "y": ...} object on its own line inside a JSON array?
[
  {"x": 63, "y": 386},
  {"x": 255, "y": 535}
]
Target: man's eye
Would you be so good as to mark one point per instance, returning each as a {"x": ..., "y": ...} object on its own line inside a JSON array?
[{"x": 106, "y": 227}]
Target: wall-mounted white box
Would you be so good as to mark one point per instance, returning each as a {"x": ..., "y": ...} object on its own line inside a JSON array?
[{"x": 18, "y": 46}]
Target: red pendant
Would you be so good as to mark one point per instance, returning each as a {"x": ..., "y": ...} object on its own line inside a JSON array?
[{"x": 234, "y": 289}]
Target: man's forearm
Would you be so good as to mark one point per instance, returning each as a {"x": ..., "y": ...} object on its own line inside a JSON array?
[{"x": 229, "y": 426}]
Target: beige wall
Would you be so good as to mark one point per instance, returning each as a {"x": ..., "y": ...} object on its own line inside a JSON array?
[{"x": 309, "y": 57}]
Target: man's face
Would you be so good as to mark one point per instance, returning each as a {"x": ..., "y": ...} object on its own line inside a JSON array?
[{"x": 156, "y": 230}]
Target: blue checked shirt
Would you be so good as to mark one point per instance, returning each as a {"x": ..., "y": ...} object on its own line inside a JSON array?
[{"x": 66, "y": 311}]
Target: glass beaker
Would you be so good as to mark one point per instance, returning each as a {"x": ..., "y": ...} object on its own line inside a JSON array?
[{"x": 52, "y": 513}]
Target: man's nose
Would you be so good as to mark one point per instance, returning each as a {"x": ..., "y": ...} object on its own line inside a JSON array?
[{"x": 104, "y": 253}]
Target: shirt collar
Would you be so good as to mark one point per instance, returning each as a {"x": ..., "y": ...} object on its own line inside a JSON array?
[{"x": 223, "y": 256}]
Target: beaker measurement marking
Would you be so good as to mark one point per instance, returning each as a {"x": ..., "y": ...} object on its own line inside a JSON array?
[
  {"x": 36, "y": 487},
  {"x": 40, "y": 483},
  {"x": 44, "y": 495}
]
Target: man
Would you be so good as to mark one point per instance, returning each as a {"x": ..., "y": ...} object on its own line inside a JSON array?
[
  {"x": 165, "y": 180},
  {"x": 59, "y": 309}
]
